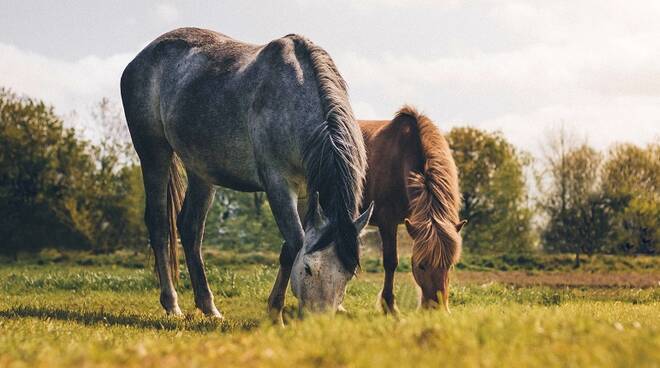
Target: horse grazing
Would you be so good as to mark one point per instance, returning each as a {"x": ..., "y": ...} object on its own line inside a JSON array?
[
  {"x": 273, "y": 118},
  {"x": 412, "y": 176}
]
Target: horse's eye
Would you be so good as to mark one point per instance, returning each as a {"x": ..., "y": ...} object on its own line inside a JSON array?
[
  {"x": 422, "y": 267},
  {"x": 308, "y": 270}
]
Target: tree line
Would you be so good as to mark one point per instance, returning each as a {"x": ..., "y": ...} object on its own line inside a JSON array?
[{"x": 60, "y": 190}]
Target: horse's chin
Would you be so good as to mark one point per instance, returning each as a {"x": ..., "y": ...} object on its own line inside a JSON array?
[{"x": 437, "y": 302}]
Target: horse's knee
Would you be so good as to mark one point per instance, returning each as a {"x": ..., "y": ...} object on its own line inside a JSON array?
[
  {"x": 390, "y": 264},
  {"x": 287, "y": 255}
]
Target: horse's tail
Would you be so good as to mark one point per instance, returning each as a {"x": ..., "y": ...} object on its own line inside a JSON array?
[
  {"x": 176, "y": 187},
  {"x": 435, "y": 197}
]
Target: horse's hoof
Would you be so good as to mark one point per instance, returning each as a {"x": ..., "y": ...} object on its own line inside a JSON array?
[
  {"x": 341, "y": 310},
  {"x": 386, "y": 307},
  {"x": 215, "y": 314},
  {"x": 174, "y": 312},
  {"x": 210, "y": 311},
  {"x": 390, "y": 309},
  {"x": 276, "y": 316}
]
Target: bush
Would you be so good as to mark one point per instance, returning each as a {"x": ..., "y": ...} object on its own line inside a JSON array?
[{"x": 59, "y": 191}]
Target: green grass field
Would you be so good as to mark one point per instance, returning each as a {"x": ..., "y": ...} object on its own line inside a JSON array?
[{"x": 104, "y": 311}]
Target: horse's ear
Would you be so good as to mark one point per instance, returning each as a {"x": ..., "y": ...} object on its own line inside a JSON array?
[
  {"x": 460, "y": 225},
  {"x": 319, "y": 216},
  {"x": 363, "y": 220}
]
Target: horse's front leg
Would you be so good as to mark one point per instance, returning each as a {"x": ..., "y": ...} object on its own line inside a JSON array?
[
  {"x": 283, "y": 201},
  {"x": 390, "y": 263},
  {"x": 278, "y": 293},
  {"x": 199, "y": 198}
]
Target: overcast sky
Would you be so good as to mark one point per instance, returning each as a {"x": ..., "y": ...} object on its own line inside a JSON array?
[{"x": 521, "y": 67}]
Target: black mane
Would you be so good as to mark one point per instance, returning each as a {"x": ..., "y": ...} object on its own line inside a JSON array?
[{"x": 334, "y": 156}]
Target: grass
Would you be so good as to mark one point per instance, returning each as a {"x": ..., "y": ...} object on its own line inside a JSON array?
[{"x": 80, "y": 310}]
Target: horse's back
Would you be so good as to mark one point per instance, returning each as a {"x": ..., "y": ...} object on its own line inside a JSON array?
[
  {"x": 213, "y": 99},
  {"x": 175, "y": 93},
  {"x": 181, "y": 57}
]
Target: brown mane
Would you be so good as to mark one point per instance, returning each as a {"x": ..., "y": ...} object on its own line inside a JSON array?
[{"x": 434, "y": 197}]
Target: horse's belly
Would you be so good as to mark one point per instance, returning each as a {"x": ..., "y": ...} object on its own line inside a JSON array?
[{"x": 224, "y": 157}]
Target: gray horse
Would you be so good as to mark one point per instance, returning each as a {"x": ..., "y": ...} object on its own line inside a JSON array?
[{"x": 273, "y": 118}]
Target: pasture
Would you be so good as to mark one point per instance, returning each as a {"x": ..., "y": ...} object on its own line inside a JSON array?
[
  {"x": 535, "y": 125},
  {"x": 81, "y": 310}
]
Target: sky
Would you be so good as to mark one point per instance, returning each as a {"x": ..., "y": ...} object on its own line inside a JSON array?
[{"x": 524, "y": 68}]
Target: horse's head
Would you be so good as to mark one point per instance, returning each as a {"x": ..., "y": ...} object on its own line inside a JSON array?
[
  {"x": 318, "y": 277},
  {"x": 432, "y": 275}
]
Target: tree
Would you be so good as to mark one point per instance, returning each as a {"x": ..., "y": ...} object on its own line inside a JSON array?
[
  {"x": 576, "y": 210},
  {"x": 494, "y": 191},
  {"x": 631, "y": 180},
  {"x": 57, "y": 190},
  {"x": 116, "y": 191},
  {"x": 41, "y": 164},
  {"x": 109, "y": 122}
]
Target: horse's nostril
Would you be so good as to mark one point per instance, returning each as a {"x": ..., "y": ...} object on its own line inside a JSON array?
[{"x": 308, "y": 270}]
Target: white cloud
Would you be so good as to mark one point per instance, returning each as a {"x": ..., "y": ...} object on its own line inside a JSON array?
[
  {"x": 591, "y": 65},
  {"x": 68, "y": 85},
  {"x": 600, "y": 123},
  {"x": 403, "y": 4},
  {"x": 167, "y": 13},
  {"x": 593, "y": 68},
  {"x": 395, "y": 4},
  {"x": 568, "y": 21},
  {"x": 364, "y": 110}
]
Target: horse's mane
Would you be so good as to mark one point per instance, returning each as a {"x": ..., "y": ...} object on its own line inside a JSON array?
[
  {"x": 334, "y": 155},
  {"x": 435, "y": 197}
]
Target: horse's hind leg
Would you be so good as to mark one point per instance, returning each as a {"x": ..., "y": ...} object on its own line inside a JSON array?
[
  {"x": 199, "y": 198},
  {"x": 390, "y": 262},
  {"x": 155, "y": 171}
]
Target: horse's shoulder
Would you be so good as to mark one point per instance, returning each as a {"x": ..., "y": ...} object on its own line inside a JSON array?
[
  {"x": 284, "y": 56},
  {"x": 280, "y": 48}
]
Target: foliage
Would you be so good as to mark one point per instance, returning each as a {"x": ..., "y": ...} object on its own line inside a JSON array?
[
  {"x": 241, "y": 221},
  {"x": 578, "y": 213},
  {"x": 116, "y": 190},
  {"x": 594, "y": 204},
  {"x": 42, "y": 171},
  {"x": 631, "y": 181},
  {"x": 494, "y": 192},
  {"x": 57, "y": 190}
]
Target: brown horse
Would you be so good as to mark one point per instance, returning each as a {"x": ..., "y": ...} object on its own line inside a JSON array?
[{"x": 412, "y": 177}]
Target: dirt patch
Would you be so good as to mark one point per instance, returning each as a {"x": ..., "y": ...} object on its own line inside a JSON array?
[{"x": 522, "y": 278}]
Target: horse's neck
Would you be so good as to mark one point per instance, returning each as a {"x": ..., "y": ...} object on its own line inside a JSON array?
[{"x": 392, "y": 153}]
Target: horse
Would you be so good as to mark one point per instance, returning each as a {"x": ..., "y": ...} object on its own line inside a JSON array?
[
  {"x": 412, "y": 179},
  {"x": 273, "y": 118}
]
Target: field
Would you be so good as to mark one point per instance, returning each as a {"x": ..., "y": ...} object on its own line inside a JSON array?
[{"x": 83, "y": 310}]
